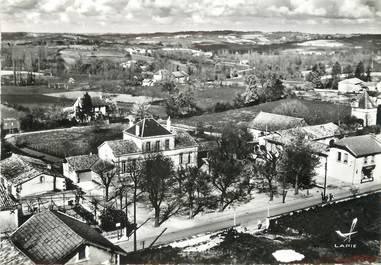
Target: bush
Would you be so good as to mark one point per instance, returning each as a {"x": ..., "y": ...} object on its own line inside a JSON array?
[{"x": 110, "y": 217}]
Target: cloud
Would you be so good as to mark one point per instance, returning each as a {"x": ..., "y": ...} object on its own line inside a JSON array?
[{"x": 148, "y": 14}]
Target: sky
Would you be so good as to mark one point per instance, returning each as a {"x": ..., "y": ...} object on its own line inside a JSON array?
[{"x": 137, "y": 16}]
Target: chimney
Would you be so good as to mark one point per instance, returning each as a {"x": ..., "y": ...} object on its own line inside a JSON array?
[
  {"x": 137, "y": 129},
  {"x": 131, "y": 123},
  {"x": 169, "y": 123}
]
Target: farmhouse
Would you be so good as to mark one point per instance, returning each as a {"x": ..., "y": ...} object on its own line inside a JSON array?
[
  {"x": 180, "y": 77},
  {"x": 10, "y": 125},
  {"x": 352, "y": 85},
  {"x": 364, "y": 108},
  {"x": 356, "y": 159},
  {"x": 24, "y": 176},
  {"x": 148, "y": 136},
  {"x": 265, "y": 123},
  {"x": 52, "y": 237}
]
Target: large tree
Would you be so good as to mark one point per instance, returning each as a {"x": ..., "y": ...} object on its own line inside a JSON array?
[
  {"x": 227, "y": 162},
  {"x": 87, "y": 105},
  {"x": 299, "y": 161},
  {"x": 194, "y": 189},
  {"x": 360, "y": 70},
  {"x": 157, "y": 182},
  {"x": 106, "y": 173},
  {"x": 266, "y": 168},
  {"x": 134, "y": 170}
]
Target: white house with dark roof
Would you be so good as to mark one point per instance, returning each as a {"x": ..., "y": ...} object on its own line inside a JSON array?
[
  {"x": 355, "y": 160},
  {"x": 149, "y": 136},
  {"x": 364, "y": 108},
  {"x": 24, "y": 176},
  {"x": 52, "y": 237}
]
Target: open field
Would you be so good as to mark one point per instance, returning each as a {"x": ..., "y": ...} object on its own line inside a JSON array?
[
  {"x": 208, "y": 97},
  {"x": 71, "y": 141},
  {"x": 320, "y": 112}
]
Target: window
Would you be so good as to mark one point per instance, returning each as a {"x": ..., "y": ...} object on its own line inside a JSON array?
[
  {"x": 157, "y": 146},
  {"x": 42, "y": 179},
  {"x": 189, "y": 157},
  {"x": 181, "y": 158},
  {"x": 338, "y": 156},
  {"x": 345, "y": 158},
  {"x": 124, "y": 166},
  {"x": 365, "y": 160},
  {"x": 82, "y": 253},
  {"x": 148, "y": 146},
  {"x": 166, "y": 144},
  {"x": 372, "y": 159}
]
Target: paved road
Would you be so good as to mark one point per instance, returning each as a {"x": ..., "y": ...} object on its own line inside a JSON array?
[{"x": 241, "y": 219}]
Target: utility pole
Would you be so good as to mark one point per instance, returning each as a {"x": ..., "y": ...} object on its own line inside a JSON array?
[{"x": 135, "y": 188}]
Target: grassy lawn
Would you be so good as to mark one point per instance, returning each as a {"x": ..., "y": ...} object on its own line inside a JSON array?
[
  {"x": 72, "y": 141},
  {"x": 322, "y": 112}
]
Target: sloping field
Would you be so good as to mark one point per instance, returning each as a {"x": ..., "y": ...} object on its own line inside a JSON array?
[{"x": 319, "y": 112}]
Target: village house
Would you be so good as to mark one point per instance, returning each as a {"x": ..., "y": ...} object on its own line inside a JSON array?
[
  {"x": 10, "y": 125},
  {"x": 100, "y": 108},
  {"x": 161, "y": 75},
  {"x": 52, "y": 237},
  {"x": 351, "y": 85},
  {"x": 26, "y": 176},
  {"x": 266, "y": 123},
  {"x": 364, "y": 108},
  {"x": 146, "y": 137},
  {"x": 355, "y": 160},
  {"x": 180, "y": 77}
]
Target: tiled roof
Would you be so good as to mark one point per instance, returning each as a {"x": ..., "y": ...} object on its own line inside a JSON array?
[
  {"x": 365, "y": 101},
  {"x": 265, "y": 121},
  {"x": 286, "y": 136},
  {"x": 82, "y": 162},
  {"x": 6, "y": 201},
  {"x": 321, "y": 131},
  {"x": 179, "y": 74},
  {"x": 10, "y": 255},
  {"x": 19, "y": 169},
  {"x": 102, "y": 166},
  {"x": 362, "y": 145},
  {"x": 51, "y": 237},
  {"x": 122, "y": 147},
  {"x": 148, "y": 127},
  {"x": 98, "y": 102},
  {"x": 183, "y": 139},
  {"x": 353, "y": 81}
]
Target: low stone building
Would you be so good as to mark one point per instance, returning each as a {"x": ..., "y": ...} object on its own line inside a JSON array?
[{"x": 26, "y": 176}]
